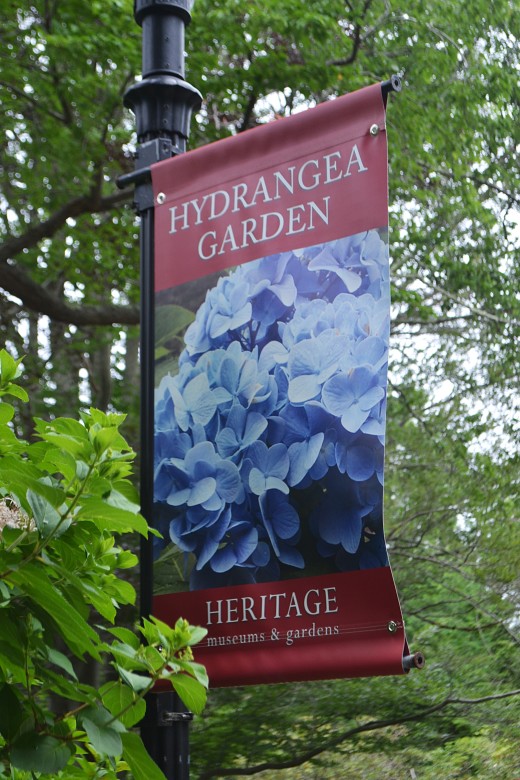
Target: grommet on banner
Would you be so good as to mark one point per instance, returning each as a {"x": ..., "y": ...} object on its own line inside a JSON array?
[
  {"x": 392, "y": 626},
  {"x": 374, "y": 129},
  {"x": 161, "y": 197}
]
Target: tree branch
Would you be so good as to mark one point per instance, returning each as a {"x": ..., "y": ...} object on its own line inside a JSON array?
[
  {"x": 36, "y": 297},
  {"x": 85, "y": 204},
  {"x": 248, "y": 113},
  {"x": 19, "y": 93},
  {"x": 352, "y": 732},
  {"x": 16, "y": 281}
]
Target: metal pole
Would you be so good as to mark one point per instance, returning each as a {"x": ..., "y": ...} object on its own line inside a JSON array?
[{"x": 162, "y": 103}]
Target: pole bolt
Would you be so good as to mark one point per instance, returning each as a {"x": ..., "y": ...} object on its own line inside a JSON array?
[
  {"x": 161, "y": 197},
  {"x": 392, "y": 626},
  {"x": 374, "y": 129}
]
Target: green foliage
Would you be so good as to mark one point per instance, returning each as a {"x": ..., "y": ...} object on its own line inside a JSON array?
[
  {"x": 63, "y": 501},
  {"x": 451, "y": 494}
]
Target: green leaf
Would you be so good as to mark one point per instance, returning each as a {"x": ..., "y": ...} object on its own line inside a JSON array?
[
  {"x": 137, "y": 758},
  {"x": 12, "y": 663},
  {"x": 11, "y": 712},
  {"x": 16, "y": 391},
  {"x": 80, "y": 637},
  {"x": 107, "y": 438},
  {"x": 154, "y": 658},
  {"x": 91, "y": 593},
  {"x": 198, "y": 671},
  {"x": 20, "y": 479},
  {"x": 197, "y": 634},
  {"x": 110, "y": 518},
  {"x": 137, "y": 682},
  {"x": 5, "y": 593},
  {"x": 40, "y": 753},
  {"x": 60, "y": 660},
  {"x": 68, "y": 688},
  {"x": 55, "y": 460},
  {"x": 46, "y": 517},
  {"x": 6, "y": 413},
  {"x": 119, "y": 500},
  {"x": 102, "y": 730},
  {"x": 126, "y": 636},
  {"x": 9, "y": 630},
  {"x": 170, "y": 321},
  {"x": 192, "y": 693},
  {"x": 127, "y": 559},
  {"x": 9, "y": 368},
  {"x": 123, "y": 703}
]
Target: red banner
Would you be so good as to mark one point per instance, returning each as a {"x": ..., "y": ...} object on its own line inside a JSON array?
[{"x": 271, "y": 329}]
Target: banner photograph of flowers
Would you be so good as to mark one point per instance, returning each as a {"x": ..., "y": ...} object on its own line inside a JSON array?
[{"x": 270, "y": 418}]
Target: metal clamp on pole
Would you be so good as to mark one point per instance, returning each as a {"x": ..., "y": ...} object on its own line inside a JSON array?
[
  {"x": 165, "y": 731},
  {"x": 175, "y": 717}
]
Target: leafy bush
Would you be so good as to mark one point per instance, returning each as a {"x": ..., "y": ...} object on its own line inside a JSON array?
[{"x": 62, "y": 501}]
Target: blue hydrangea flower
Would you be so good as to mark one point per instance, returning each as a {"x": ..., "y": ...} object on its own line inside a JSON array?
[
  {"x": 265, "y": 468},
  {"x": 352, "y": 396},
  {"x": 269, "y": 440}
]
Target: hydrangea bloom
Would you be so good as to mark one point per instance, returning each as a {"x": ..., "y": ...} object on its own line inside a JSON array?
[{"x": 269, "y": 441}]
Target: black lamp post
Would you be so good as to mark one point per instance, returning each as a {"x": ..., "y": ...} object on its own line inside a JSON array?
[{"x": 162, "y": 103}]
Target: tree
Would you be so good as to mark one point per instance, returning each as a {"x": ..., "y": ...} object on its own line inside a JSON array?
[{"x": 68, "y": 268}]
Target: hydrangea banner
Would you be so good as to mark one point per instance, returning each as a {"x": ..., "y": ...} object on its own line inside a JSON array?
[{"x": 272, "y": 312}]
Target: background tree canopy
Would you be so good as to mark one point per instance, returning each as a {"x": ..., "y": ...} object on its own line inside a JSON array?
[{"x": 69, "y": 276}]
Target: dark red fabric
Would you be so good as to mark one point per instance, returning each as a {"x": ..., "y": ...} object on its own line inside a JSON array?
[{"x": 355, "y": 641}]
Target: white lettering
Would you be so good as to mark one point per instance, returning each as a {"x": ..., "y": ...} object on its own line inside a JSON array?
[
  {"x": 198, "y": 209},
  {"x": 277, "y": 597},
  {"x": 277, "y": 230},
  {"x": 314, "y": 208},
  {"x": 280, "y": 179},
  {"x": 315, "y": 179},
  {"x": 212, "y": 197},
  {"x": 316, "y": 605},
  {"x": 232, "y": 610},
  {"x": 295, "y": 219},
  {"x": 355, "y": 159},
  {"x": 330, "y": 599},
  {"x": 293, "y": 605},
  {"x": 174, "y": 217},
  {"x": 332, "y": 166},
  {"x": 239, "y": 196},
  {"x": 212, "y": 247},
  {"x": 217, "y": 611},
  {"x": 261, "y": 189},
  {"x": 248, "y": 225},
  {"x": 229, "y": 238}
]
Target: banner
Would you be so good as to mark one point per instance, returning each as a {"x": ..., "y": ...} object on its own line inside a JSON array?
[{"x": 272, "y": 316}]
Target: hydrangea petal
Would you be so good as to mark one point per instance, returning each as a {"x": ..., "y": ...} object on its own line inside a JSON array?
[
  {"x": 303, "y": 388},
  {"x": 361, "y": 462},
  {"x": 202, "y": 491},
  {"x": 227, "y": 480}
]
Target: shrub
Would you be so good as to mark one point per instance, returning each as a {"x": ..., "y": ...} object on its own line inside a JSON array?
[{"x": 64, "y": 500}]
